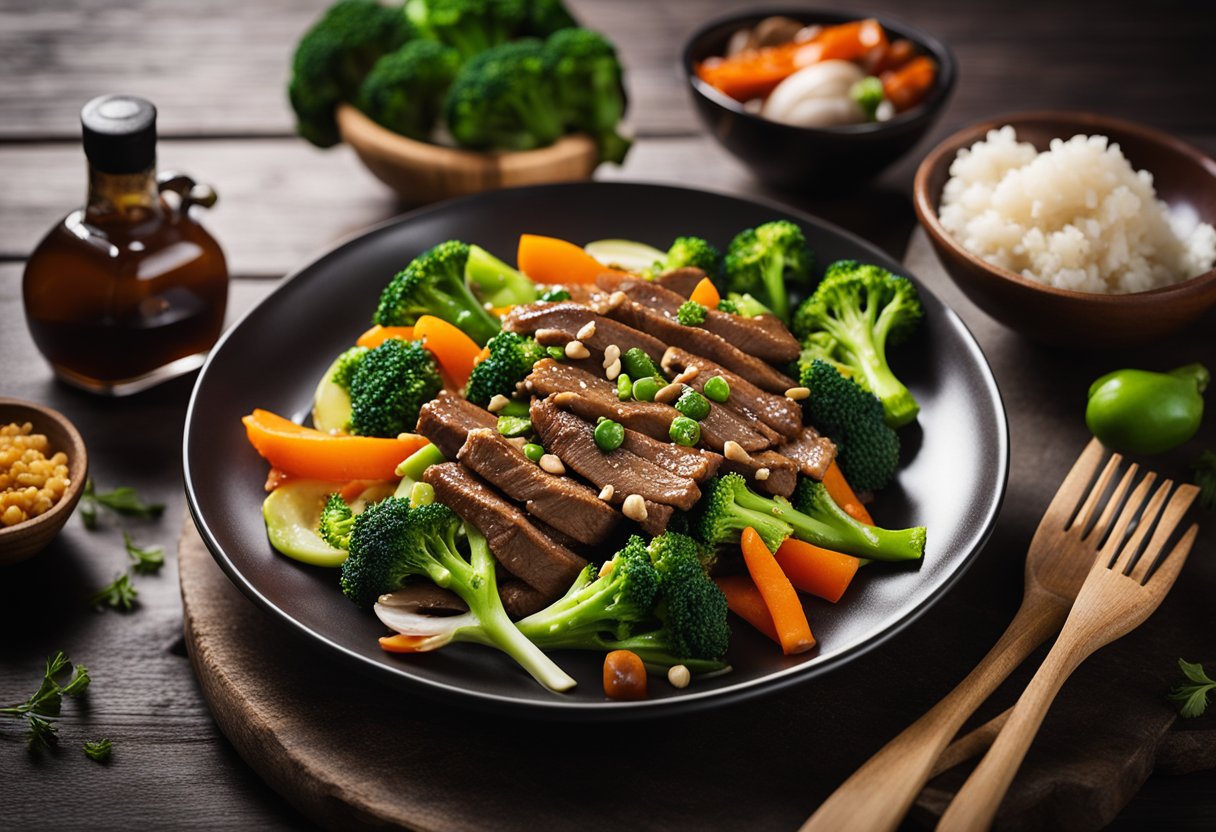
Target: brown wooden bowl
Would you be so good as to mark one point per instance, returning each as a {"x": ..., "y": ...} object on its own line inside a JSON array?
[
  {"x": 1182, "y": 176},
  {"x": 421, "y": 172},
  {"x": 30, "y": 537}
]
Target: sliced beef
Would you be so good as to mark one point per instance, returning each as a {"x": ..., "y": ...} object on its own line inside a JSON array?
[
  {"x": 572, "y": 440},
  {"x": 521, "y": 600},
  {"x": 693, "y": 463},
  {"x": 448, "y": 418},
  {"x": 700, "y": 341},
  {"x": 571, "y": 317},
  {"x": 812, "y": 452},
  {"x": 782, "y": 472},
  {"x": 526, "y": 553},
  {"x": 681, "y": 281},
  {"x": 780, "y": 413},
  {"x": 568, "y": 506},
  {"x": 763, "y": 336}
]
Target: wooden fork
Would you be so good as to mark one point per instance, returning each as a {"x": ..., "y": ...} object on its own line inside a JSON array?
[
  {"x": 1120, "y": 592},
  {"x": 879, "y": 794}
]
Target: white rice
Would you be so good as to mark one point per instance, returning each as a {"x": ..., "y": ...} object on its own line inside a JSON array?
[{"x": 1075, "y": 217}]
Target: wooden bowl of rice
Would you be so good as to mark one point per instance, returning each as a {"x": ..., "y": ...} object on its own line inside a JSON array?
[
  {"x": 1056, "y": 312},
  {"x": 29, "y": 537}
]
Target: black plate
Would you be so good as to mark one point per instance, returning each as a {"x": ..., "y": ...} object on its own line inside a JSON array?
[{"x": 952, "y": 479}]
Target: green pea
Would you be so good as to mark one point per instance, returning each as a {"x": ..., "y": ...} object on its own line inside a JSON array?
[
  {"x": 514, "y": 408},
  {"x": 717, "y": 388},
  {"x": 556, "y": 353},
  {"x": 533, "y": 451},
  {"x": 637, "y": 364},
  {"x": 514, "y": 426},
  {"x": 692, "y": 404},
  {"x": 644, "y": 389},
  {"x": 554, "y": 295},
  {"x": 1141, "y": 412},
  {"x": 684, "y": 431},
  {"x": 624, "y": 387},
  {"x": 609, "y": 435}
]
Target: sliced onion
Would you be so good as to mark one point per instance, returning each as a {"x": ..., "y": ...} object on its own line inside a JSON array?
[{"x": 414, "y": 624}]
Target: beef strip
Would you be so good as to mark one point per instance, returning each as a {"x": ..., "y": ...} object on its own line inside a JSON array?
[
  {"x": 568, "y": 506},
  {"x": 782, "y": 472},
  {"x": 525, "y": 552},
  {"x": 813, "y": 452},
  {"x": 700, "y": 341},
  {"x": 572, "y": 440},
  {"x": 782, "y": 414},
  {"x": 694, "y": 463},
  {"x": 681, "y": 281},
  {"x": 568, "y": 316},
  {"x": 521, "y": 600},
  {"x": 448, "y": 418},
  {"x": 763, "y": 336}
]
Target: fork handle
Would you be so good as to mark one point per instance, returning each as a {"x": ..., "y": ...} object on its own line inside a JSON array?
[
  {"x": 975, "y": 806},
  {"x": 878, "y": 795}
]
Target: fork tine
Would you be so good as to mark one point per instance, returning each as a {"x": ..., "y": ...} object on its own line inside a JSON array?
[
  {"x": 1172, "y": 563},
  {"x": 1106, "y": 555},
  {"x": 1065, "y": 500},
  {"x": 1143, "y": 526},
  {"x": 1170, "y": 518},
  {"x": 1095, "y": 494},
  {"x": 1116, "y": 497}
]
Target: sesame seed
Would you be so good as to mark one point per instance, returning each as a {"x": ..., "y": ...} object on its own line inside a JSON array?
[
  {"x": 611, "y": 353},
  {"x": 497, "y": 403},
  {"x": 687, "y": 376},
  {"x": 733, "y": 451},
  {"x": 606, "y": 492},
  {"x": 576, "y": 350},
  {"x": 614, "y": 370},
  {"x": 587, "y": 332},
  {"x": 669, "y": 393},
  {"x": 634, "y": 508},
  {"x": 550, "y": 463},
  {"x": 797, "y": 393},
  {"x": 762, "y": 474},
  {"x": 679, "y": 676}
]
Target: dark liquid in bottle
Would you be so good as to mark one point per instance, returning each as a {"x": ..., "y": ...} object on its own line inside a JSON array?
[{"x": 113, "y": 302}]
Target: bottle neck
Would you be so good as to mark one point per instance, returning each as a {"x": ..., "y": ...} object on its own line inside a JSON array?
[{"x": 122, "y": 197}]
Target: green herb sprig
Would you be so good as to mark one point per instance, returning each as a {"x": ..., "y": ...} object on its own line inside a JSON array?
[
  {"x": 42, "y": 708},
  {"x": 99, "y": 750},
  {"x": 124, "y": 501},
  {"x": 144, "y": 561},
  {"x": 119, "y": 595},
  {"x": 1192, "y": 698}
]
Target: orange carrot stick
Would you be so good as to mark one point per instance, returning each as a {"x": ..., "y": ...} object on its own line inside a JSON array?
[
  {"x": 840, "y": 491},
  {"x": 907, "y": 86},
  {"x": 745, "y": 601},
  {"x": 550, "y": 260},
  {"x": 706, "y": 294},
  {"x": 779, "y": 596},
  {"x": 816, "y": 570},
  {"x": 305, "y": 452},
  {"x": 455, "y": 351},
  {"x": 377, "y": 335}
]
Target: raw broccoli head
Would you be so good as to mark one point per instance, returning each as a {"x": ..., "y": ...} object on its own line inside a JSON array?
[
  {"x": 380, "y": 558},
  {"x": 841, "y": 533},
  {"x": 693, "y": 609},
  {"x": 589, "y": 89},
  {"x": 505, "y": 99},
  {"x": 743, "y": 305},
  {"x": 727, "y": 507},
  {"x": 433, "y": 284},
  {"x": 332, "y": 58},
  {"x": 855, "y": 313},
  {"x": 469, "y": 26},
  {"x": 337, "y": 522},
  {"x": 544, "y": 17},
  {"x": 495, "y": 282},
  {"x": 691, "y": 313},
  {"x": 405, "y": 90},
  {"x": 766, "y": 261},
  {"x": 688, "y": 253},
  {"x": 867, "y": 449},
  {"x": 388, "y": 387},
  {"x": 509, "y": 362},
  {"x": 345, "y": 366}
]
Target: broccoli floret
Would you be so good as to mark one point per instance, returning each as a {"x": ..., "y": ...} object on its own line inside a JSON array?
[
  {"x": 505, "y": 99},
  {"x": 855, "y": 313},
  {"x": 470, "y": 26},
  {"x": 405, "y": 90},
  {"x": 589, "y": 90},
  {"x": 337, "y": 522},
  {"x": 510, "y": 360},
  {"x": 392, "y": 542},
  {"x": 766, "y": 261},
  {"x": 866, "y": 447},
  {"x": 691, "y": 313},
  {"x": 720, "y": 517},
  {"x": 544, "y": 17},
  {"x": 433, "y": 284},
  {"x": 694, "y": 616},
  {"x": 868, "y": 94},
  {"x": 345, "y": 366},
  {"x": 812, "y": 500},
  {"x": 495, "y": 282},
  {"x": 332, "y": 59},
  {"x": 388, "y": 385},
  {"x": 743, "y": 305}
]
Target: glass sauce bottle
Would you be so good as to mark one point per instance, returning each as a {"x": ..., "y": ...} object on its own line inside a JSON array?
[{"x": 129, "y": 291}]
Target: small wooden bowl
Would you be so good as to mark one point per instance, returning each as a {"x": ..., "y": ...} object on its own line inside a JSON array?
[
  {"x": 26, "y": 539},
  {"x": 420, "y": 172},
  {"x": 1182, "y": 176}
]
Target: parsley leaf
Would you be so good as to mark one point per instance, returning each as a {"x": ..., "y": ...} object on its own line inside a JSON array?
[
  {"x": 146, "y": 561},
  {"x": 119, "y": 595},
  {"x": 1204, "y": 470},
  {"x": 1192, "y": 699},
  {"x": 99, "y": 750},
  {"x": 42, "y": 707},
  {"x": 124, "y": 500}
]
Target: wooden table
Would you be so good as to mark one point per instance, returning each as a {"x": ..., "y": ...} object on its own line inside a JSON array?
[{"x": 217, "y": 72}]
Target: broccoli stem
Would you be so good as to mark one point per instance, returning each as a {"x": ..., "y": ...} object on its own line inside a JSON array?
[
  {"x": 774, "y": 281},
  {"x": 833, "y": 528},
  {"x": 899, "y": 408},
  {"x": 417, "y": 462},
  {"x": 498, "y": 283}
]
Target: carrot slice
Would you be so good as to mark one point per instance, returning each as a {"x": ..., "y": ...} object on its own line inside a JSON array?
[
  {"x": 455, "y": 351},
  {"x": 816, "y": 570},
  {"x": 377, "y": 335},
  {"x": 745, "y": 601},
  {"x": 907, "y": 86},
  {"x": 840, "y": 491},
  {"x": 789, "y": 618},
  {"x": 501, "y": 311},
  {"x": 305, "y": 452},
  {"x": 706, "y": 294},
  {"x": 751, "y": 74},
  {"x": 848, "y": 41},
  {"x": 550, "y": 260},
  {"x": 402, "y": 643}
]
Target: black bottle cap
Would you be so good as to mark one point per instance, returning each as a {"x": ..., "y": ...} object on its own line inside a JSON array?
[{"x": 119, "y": 133}]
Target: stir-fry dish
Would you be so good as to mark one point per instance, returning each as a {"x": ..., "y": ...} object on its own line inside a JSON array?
[
  {"x": 607, "y": 448},
  {"x": 821, "y": 76}
]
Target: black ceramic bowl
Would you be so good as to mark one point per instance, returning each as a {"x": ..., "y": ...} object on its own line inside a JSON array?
[{"x": 806, "y": 158}]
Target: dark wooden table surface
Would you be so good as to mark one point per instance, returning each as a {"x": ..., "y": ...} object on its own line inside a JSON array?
[{"x": 217, "y": 72}]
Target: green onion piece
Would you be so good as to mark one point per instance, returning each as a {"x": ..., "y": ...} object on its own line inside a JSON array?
[
  {"x": 609, "y": 435},
  {"x": 684, "y": 431},
  {"x": 644, "y": 389},
  {"x": 514, "y": 408},
  {"x": 717, "y": 388},
  {"x": 417, "y": 462},
  {"x": 511, "y": 426},
  {"x": 533, "y": 451},
  {"x": 624, "y": 387},
  {"x": 692, "y": 404}
]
